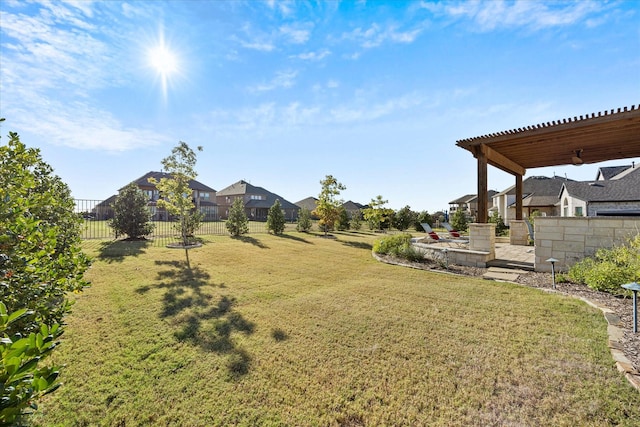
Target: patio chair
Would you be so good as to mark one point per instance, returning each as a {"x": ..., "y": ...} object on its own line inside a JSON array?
[
  {"x": 453, "y": 232},
  {"x": 436, "y": 237},
  {"x": 530, "y": 228}
]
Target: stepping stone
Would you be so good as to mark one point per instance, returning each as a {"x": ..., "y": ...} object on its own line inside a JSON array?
[{"x": 508, "y": 275}]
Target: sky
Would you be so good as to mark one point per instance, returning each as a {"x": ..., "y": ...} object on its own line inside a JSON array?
[{"x": 283, "y": 93}]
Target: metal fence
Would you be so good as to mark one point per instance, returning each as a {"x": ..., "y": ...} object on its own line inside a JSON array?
[{"x": 96, "y": 214}]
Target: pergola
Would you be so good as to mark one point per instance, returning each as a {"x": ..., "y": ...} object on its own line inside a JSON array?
[{"x": 608, "y": 135}]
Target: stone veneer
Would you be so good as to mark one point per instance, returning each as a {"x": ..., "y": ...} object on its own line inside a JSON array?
[
  {"x": 570, "y": 239},
  {"x": 518, "y": 232}
]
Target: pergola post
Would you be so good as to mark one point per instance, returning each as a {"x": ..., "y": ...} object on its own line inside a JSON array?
[
  {"x": 518, "y": 197},
  {"x": 481, "y": 155}
]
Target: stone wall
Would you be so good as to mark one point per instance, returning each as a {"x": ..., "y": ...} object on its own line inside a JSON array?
[{"x": 570, "y": 239}]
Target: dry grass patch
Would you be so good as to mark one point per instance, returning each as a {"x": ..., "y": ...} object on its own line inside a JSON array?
[{"x": 302, "y": 330}]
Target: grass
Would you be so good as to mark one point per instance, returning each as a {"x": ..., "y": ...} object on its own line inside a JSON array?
[{"x": 303, "y": 330}]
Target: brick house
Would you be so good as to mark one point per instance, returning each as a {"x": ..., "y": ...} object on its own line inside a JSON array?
[{"x": 257, "y": 201}]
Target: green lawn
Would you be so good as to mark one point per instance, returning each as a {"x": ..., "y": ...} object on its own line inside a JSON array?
[{"x": 301, "y": 330}]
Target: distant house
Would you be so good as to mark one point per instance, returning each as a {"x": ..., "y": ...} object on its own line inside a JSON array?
[
  {"x": 203, "y": 197},
  {"x": 103, "y": 210},
  {"x": 308, "y": 203},
  {"x": 539, "y": 194},
  {"x": 615, "y": 192},
  {"x": 469, "y": 204},
  {"x": 353, "y": 207},
  {"x": 257, "y": 201}
]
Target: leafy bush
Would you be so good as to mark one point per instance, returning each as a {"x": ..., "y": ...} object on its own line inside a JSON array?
[
  {"x": 496, "y": 219},
  {"x": 459, "y": 220},
  {"x": 608, "y": 269},
  {"x": 304, "y": 220},
  {"x": 275, "y": 218},
  {"x": 342, "y": 223},
  {"x": 398, "y": 245},
  {"x": 40, "y": 262},
  {"x": 356, "y": 220},
  {"x": 237, "y": 223},
  {"x": 131, "y": 215},
  {"x": 403, "y": 218},
  {"x": 423, "y": 217}
]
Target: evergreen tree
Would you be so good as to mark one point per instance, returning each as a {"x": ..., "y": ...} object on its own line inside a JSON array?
[
  {"x": 131, "y": 217},
  {"x": 275, "y": 218},
  {"x": 304, "y": 220},
  {"x": 356, "y": 220},
  {"x": 342, "y": 223},
  {"x": 237, "y": 223}
]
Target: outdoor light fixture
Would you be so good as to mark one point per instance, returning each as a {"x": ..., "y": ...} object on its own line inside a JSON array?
[
  {"x": 577, "y": 158},
  {"x": 553, "y": 271},
  {"x": 635, "y": 287}
]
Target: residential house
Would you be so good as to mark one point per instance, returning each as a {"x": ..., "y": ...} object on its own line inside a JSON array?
[
  {"x": 257, "y": 201},
  {"x": 539, "y": 194},
  {"x": 203, "y": 197},
  {"x": 309, "y": 203},
  {"x": 353, "y": 207},
  {"x": 469, "y": 204},
  {"x": 615, "y": 192}
]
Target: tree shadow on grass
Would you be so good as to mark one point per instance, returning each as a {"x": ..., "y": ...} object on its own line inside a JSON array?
[
  {"x": 252, "y": 240},
  {"x": 202, "y": 319},
  {"x": 296, "y": 238},
  {"x": 358, "y": 245},
  {"x": 118, "y": 250}
]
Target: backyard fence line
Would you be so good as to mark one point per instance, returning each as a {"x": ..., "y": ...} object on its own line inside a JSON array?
[{"x": 97, "y": 213}]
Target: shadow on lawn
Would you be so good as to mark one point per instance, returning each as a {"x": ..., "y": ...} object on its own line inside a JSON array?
[
  {"x": 202, "y": 319},
  {"x": 296, "y": 238},
  {"x": 118, "y": 250},
  {"x": 252, "y": 240},
  {"x": 358, "y": 245}
]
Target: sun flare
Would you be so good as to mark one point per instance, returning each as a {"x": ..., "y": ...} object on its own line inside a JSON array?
[{"x": 163, "y": 61}]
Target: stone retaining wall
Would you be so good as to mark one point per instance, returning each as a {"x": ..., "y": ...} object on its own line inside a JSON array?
[{"x": 570, "y": 239}]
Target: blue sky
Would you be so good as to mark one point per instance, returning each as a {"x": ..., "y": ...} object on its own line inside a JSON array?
[{"x": 282, "y": 93}]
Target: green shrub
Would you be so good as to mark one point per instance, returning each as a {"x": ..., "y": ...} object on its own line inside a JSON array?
[
  {"x": 608, "y": 269},
  {"x": 398, "y": 245},
  {"x": 275, "y": 218},
  {"x": 304, "y": 220}
]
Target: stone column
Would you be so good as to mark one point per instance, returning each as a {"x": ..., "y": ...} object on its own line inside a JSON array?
[
  {"x": 518, "y": 233},
  {"x": 482, "y": 237}
]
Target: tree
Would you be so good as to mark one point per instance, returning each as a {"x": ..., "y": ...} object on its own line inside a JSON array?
[
  {"x": 275, "y": 218},
  {"x": 459, "y": 220},
  {"x": 496, "y": 219},
  {"x": 40, "y": 262},
  {"x": 328, "y": 203},
  {"x": 131, "y": 216},
  {"x": 237, "y": 223},
  {"x": 342, "y": 222},
  {"x": 356, "y": 220},
  {"x": 423, "y": 217},
  {"x": 404, "y": 218},
  {"x": 376, "y": 214},
  {"x": 304, "y": 220},
  {"x": 175, "y": 194}
]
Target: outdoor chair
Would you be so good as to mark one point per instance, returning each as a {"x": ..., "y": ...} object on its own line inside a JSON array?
[
  {"x": 453, "y": 232},
  {"x": 437, "y": 239}
]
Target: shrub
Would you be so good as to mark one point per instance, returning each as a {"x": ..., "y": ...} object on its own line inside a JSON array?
[
  {"x": 275, "y": 218},
  {"x": 304, "y": 220},
  {"x": 398, "y": 245},
  {"x": 608, "y": 269},
  {"x": 342, "y": 223},
  {"x": 237, "y": 223},
  {"x": 423, "y": 217},
  {"x": 131, "y": 216},
  {"x": 459, "y": 220},
  {"x": 356, "y": 220},
  {"x": 496, "y": 219}
]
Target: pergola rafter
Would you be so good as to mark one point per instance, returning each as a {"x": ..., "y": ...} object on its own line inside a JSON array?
[{"x": 608, "y": 135}]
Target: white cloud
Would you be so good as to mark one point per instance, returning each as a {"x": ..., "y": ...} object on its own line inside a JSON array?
[
  {"x": 314, "y": 56},
  {"x": 295, "y": 35},
  {"x": 376, "y": 35},
  {"x": 492, "y": 15},
  {"x": 282, "y": 79}
]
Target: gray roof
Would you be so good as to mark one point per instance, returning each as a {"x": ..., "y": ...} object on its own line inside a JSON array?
[
  {"x": 309, "y": 203},
  {"x": 626, "y": 189},
  {"x": 144, "y": 181},
  {"x": 539, "y": 185},
  {"x": 608, "y": 172},
  {"x": 468, "y": 198},
  {"x": 352, "y": 206},
  {"x": 242, "y": 188}
]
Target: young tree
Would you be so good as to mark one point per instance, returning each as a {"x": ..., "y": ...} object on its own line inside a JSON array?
[
  {"x": 496, "y": 219},
  {"x": 304, "y": 220},
  {"x": 328, "y": 203},
  {"x": 404, "y": 218},
  {"x": 131, "y": 216},
  {"x": 175, "y": 195},
  {"x": 342, "y": 223},
  {"x": 423, "y": 217},
  {"x": 356, "y": 220},
  {"x": 40, "y": 262},
  {"x": 459, "y": 220},
  {"x": 237, "y": 223},
  {"x": 275, "y": 218},
  {"x": 376, "y": 214}
]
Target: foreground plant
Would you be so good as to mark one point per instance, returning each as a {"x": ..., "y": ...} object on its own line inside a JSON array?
[{"x": 40, "y": 262}]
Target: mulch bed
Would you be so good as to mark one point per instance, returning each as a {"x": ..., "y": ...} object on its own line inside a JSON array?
[{"x": 623, "y": 307}]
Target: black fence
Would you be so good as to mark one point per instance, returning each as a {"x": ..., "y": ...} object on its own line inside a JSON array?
[{"x": 96, "y": 215}]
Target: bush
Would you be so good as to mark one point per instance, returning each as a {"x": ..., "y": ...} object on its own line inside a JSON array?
[
  {"x": 131, "y": 216},
  {"x": 608, "y": 269},
  {"x": 496, "y": 219},
  {"x": 275, "y": 218},
  {"x": 304, "y": 220},
  {"x": 356, "y": 221},
  {"x": 342, "y": 223},
  {"x": 237, "y": 223},
  {"x": 423, "y": 217},
  {"x": 398, "y": 245},
  {"x": 40, "y": 262}
]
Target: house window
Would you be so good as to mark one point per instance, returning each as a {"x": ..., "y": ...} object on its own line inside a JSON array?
[
  {"x": 257, "y": 197},
  {"x": 204, "y": 195},
  {"x": 578, "y": 211},
  {"x": 565, "y": 208}
]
